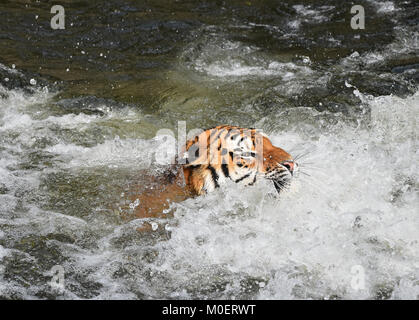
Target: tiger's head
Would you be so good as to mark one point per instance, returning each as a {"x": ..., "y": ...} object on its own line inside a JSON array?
[{"x": 239, "y": 154}]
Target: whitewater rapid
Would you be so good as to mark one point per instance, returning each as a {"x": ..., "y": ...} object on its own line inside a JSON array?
[{"x": 354, "y": 205}]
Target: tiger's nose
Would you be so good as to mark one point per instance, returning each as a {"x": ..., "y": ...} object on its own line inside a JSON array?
[{"x": 290, "y": 165}]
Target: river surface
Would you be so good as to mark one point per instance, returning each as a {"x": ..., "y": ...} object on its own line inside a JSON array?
[{"x": 79, "y": 113}]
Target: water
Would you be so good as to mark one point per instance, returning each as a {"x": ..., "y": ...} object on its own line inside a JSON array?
[{"x": 72, "y": 144}]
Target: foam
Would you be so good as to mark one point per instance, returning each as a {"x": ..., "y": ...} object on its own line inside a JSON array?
[
  {"x": 232, "y": 60},
  {"x": 358, "y": 207},
  {"x": 309, "y": 238},
  {"x": 384, "y": 7}
]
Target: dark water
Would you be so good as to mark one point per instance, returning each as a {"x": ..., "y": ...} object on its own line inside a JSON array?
[
  {"x": 79, "y": 109},
  {"x": 142, "y": 52}
]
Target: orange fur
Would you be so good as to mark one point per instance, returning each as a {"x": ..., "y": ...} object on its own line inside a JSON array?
[{"x": 223, "y": 152}]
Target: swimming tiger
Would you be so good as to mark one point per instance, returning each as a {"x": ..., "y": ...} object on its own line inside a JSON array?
[
  {"x": 209, "y": 160},
  {"x": 239, "y": 154}
]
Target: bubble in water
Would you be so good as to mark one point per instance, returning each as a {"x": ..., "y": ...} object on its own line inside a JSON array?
[
  {"x": 32, "y": 82},
  {"x": 135, "y": 204},
  {"x": 306, "y": 59}
]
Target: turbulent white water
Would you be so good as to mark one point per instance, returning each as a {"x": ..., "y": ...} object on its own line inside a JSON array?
[
  {"x": 347, "y": 228},
  {"x": 357, "y": 208}
]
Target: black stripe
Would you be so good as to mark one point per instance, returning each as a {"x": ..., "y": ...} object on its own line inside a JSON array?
[
  {"x": 214, "y": 131},
  {"x": 235, "y": 136},
  {"x": 249, "y": 154},
  {"x": 228, "y": 133},
  {"x": 219, "y": 134},
  {"x": 224, "y": 167},
  {"x": 242, "y": 178},
  {"x": 214, "y": 176},
  {"x": 254, "y": 180}
]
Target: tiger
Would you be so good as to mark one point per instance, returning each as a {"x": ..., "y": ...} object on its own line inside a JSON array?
[
  {"x": 241, "y": 155},
  {"x": 208, "y": 161}
]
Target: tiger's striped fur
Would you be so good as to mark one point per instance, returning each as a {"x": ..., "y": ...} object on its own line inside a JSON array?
[
  {"x": 208, "y": 161},
  {"x": 239, "y": 154}
]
